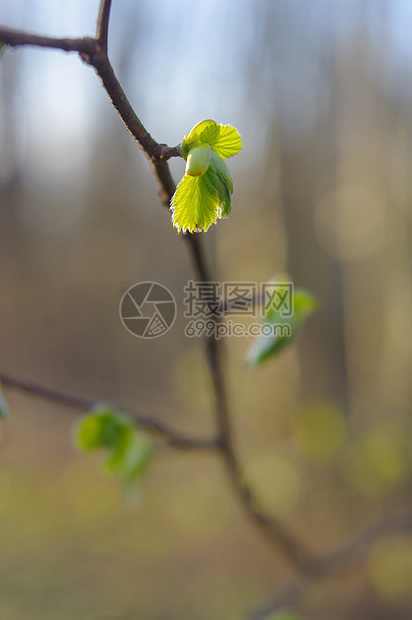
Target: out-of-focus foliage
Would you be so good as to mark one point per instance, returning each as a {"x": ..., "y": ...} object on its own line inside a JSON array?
[
  {"x": 279, "y": 329},
  {"x": 128, "y": 450},
  {"x": 379, "y": 460},
  {"x": 390, "y": 568},
  {"x": 319, "y": 429},
  {"x": 4, "y": 408}
]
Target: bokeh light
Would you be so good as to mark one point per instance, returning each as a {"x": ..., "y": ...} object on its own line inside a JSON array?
[
  {"x": 277, "y": 482},
  {"x": 319, "y": 429},
  {"x": 378, "y": 460},
  {"x": 390, "y": 568}
]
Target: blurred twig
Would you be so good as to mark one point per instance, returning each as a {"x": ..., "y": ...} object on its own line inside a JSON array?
[
  {"x": 342, "y": 558},
  {"x": 171, "y": 437}
]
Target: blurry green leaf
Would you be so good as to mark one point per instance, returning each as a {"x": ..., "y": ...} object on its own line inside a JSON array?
[
  {"x": 118, "y": 450},
  {"x": 128, "y": 450},
  {"x": 279, "y": 330},
  {"x": 137, "y": 458},
  {"x": 102, "y": 428},
  {"x": 4, "y": 408}
]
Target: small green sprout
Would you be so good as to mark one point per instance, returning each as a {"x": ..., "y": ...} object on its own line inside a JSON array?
[{"x": 204, "y": 194}]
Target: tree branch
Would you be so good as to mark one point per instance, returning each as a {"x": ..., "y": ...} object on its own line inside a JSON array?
[
  {"x": 102, "y": 30},
  {"x": 344, "y": 557},
  {"x": 16, "y": 38},
  {"x": 94, "y": 53},
  {"x": 172, "y": 438},
  {"x": 275, "y": 531}
]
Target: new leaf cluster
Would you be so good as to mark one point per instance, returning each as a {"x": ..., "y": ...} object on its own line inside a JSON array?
[
  {"x": 128, "y": 450},
  {"x": 205, "y": 193}
]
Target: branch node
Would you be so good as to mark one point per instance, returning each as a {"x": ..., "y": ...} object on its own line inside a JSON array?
[
  {"x": 163, "y": 152},
  {"x": 92, "y": 51}
]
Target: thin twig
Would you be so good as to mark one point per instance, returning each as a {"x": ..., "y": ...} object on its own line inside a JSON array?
[
  {"x": 82, "y": 403},
  {"x": 122, "y": 105},
  {"x": 287, "y": 595},
  {"x": 344, "y": 557},
  {"x": 102, "y": 30},
  {"x": 16, "y": 38}
]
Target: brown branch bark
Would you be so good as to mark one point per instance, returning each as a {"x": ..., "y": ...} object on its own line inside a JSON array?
[
  {"x": 82, "y": 403},
  {"x": 102, "y": 30},
  {"x": 17, "y": 38}
]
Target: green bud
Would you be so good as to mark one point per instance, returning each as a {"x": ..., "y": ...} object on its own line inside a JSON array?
[{"x": 198, "y": 160}]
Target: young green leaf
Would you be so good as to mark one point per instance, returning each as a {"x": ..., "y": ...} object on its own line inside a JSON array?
[
  {"x": 196, "y": 201},
  {"x": 193, "y": 137},
  {"x": 4, "y": 408},
  {"x": 102, "y": 428},
  {"x": 128, "y": 450},
  {"x": 204, "y": 194},
  {"x": 137, "y": 458},
  {"x": 278, "y": 331},
  {"x": 222, "y": 170},
  {"x": 225, "y": 206},
  {"x": 223, "y": 139}
]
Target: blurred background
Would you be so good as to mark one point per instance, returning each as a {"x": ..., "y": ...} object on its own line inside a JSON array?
[{"x": 321, "y": 92}]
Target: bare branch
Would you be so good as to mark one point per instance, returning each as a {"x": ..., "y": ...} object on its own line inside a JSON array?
[
  {"x": 164, "y": 152},
  {"x": 348, "y": 554},
  {"x": 94, "y": 53},
  {"x": 342, "y": 558},
  {"x": 122, "y": 105},
  {"x": 102, "y": 30},
  {"x": 82, "y": 403},
  {"x": 16, "y": 38}
]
